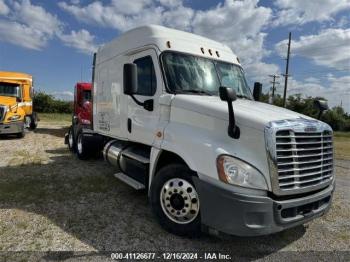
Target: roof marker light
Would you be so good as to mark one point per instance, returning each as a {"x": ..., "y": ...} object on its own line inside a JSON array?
[
  {"x": 168, "y": 44},
  {"x": 210, "y": 52},
  {"x": 238, "y": 59},
  {"x": 202, "y": 49},
  {"x": 217, "y": 53}
]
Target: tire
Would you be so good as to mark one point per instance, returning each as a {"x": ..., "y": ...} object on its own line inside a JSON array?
[
  {"x": 20, "y": 135},
  {"x": 71, "y": 140},
  {"x": 81, "y": 147},
  {"x": 175, "y": 201},
  {"x": 33, "y": 121}
]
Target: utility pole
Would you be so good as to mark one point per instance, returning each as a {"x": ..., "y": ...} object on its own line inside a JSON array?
[
  {"x": 286, "y": 74},
  {"x": 273, "y": 82}
]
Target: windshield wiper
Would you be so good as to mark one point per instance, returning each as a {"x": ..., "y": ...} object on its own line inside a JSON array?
[{"x": 195, "y": 91}]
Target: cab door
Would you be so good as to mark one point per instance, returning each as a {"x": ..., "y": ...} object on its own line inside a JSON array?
[{"x": 141, "y": 123}]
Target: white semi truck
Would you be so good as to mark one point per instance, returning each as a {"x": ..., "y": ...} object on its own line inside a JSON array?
[{"x": 173, "y": 112}]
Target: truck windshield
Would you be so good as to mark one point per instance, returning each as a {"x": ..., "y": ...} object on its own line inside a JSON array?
[
  {"x": 9, "y": 89},
  {"x": 192, "y": 74}
]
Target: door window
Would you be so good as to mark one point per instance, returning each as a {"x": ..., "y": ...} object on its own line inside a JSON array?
[
  {"x": 87, "y": 95},
  {"x": 146, "y": 76}
]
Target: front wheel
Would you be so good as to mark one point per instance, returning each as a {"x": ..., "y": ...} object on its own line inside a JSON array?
[
  {"x": 33, "y": 121},
  {"x": 20, "y": 135},
  {"x": 71, "y": 142},
  {"x": 175, "y": 201}
]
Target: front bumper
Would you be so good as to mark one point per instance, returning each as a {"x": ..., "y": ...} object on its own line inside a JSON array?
[
  {"x": 11, "y": 128},
  {"x": 251, "y": 215}
]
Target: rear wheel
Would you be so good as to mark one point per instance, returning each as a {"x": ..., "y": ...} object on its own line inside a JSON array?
[
  {"x": 175, "y": 201},
  {"x": 81, "y": 147}
]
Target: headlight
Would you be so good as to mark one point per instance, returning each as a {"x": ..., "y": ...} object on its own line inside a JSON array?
[
  {"x": 14, "y": 118},
  {"x": 236, "y": 172}
]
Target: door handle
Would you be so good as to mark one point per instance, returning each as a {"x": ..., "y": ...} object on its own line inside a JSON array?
[{"x": 129, "y": 125}]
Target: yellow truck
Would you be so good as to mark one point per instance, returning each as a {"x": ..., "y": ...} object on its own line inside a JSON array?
[{"x": 16, "y": 104}]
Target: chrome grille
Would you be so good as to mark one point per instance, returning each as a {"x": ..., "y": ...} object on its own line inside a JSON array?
[{"x": 303, "y": 159}]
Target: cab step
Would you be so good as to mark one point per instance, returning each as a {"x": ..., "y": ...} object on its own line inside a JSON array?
[
  {"x": 130, "y": 181},
  {"x": 137, "y": 153}
]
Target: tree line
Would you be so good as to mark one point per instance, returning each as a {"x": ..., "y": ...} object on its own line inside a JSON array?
[
  {"x": 336, "y": 117},
  {"x": 45, "y": 103}
]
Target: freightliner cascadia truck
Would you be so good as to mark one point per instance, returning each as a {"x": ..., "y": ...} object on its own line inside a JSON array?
[
  {"x": 16, "y": 104},
  {"x": 173, "y": 113}
]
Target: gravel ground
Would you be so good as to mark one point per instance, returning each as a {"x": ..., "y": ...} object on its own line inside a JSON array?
[{"x": 50, "y": 201}]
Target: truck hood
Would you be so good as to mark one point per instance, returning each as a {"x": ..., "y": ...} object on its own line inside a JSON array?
[
  {"x": 7, "y": 100},
  {"x": 247, "y": 112}
]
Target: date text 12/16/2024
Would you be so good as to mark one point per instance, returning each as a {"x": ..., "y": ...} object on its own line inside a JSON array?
[{"x": 170, "y": 256}]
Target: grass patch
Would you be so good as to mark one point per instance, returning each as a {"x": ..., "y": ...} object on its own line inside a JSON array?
[
  {"x": 42, "y": 189},
  {"x": 342, "y": 146},
  {"x": 342, "y": 134},
  {"x": 55, "y": 117}
]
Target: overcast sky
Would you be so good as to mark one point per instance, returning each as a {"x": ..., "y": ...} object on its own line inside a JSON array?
[{"x": 54, "y": 40}]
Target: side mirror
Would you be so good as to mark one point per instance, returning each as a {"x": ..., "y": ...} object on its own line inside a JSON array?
[
  {"x": 130, "y": 86},
  {"x": 18, "y": 94},
  {"x": 75, "y": 120},
  {"x": 227, "y": 94},
  {"x": 130, "y": 79},
  {"x": 257, "y": 91},
  {"x": 321, "y": 105}
]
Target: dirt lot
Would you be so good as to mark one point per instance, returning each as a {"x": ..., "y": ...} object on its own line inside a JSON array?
[{"x": 49, "y": 200}]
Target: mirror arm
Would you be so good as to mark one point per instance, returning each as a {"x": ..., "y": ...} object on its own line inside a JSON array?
[
  {"x": 148, "y": 104},
  {"x": 137, "y": 101},
  {"x": 233, "y": 130}
]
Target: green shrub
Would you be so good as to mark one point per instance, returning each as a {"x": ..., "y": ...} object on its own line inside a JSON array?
[{"x": 45, "y": 103}]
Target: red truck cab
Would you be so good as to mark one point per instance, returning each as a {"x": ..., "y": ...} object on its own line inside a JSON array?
[
  {"x": 82, "y": 103},
  {"x": 82, "y": 116}
]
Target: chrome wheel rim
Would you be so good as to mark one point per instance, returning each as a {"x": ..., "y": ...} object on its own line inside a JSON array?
[
  {"x": 70, "y": 139},
  {"x": 179, "y": 201},
  {"x": 80, "y": 145}
]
